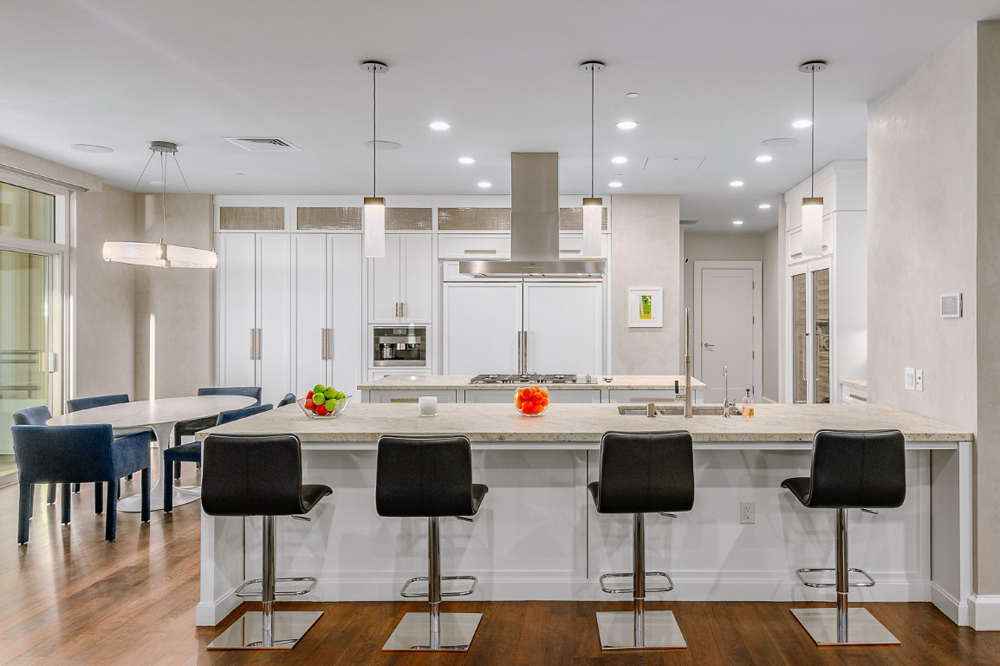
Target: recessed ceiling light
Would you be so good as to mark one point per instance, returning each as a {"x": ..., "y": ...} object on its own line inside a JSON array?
[
  {"x": 91, "y": 148},
  {"x": 615, "y": 183},
  {"x": 439, "y": 125},
  {"x": 621, "y": 159},
  {"x": 736, "y": 183},
  {"x": 764, "y": 159},
  {"x": 466, "y": 160},
  {"x": 802, "y": 124},
  {"x": 737, "y": 222},
  {"x": 764, "y": 206},
  {"x": 626, "y": 124},
  {"x": 484, "y": 184},
  {"x": 631, "y": 94}
]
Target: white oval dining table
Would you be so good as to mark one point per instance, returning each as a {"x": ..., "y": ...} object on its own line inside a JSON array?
[{"x": 161, "y": 415}]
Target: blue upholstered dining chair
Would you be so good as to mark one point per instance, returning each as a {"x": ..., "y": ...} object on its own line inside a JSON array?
[
  {"x": 39, "y": 415},
  {"x": 191, "y": 452},
  {"x": 287, "y": 400},
  {"x": 78, "y": 404},
  {"x": 189, "y": 428},
  {"x": 77, "y": 454}
]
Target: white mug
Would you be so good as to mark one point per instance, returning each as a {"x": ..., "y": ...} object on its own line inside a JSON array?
[{"x": 428, "y": 405}]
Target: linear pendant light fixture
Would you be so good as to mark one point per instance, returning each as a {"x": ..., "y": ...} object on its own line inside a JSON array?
[
  {"x": 374, "y": 216},
  {"x": 812, "y": 206},
  {"x": 160, "y": 254},
  {"x": 592, "y": 206}
]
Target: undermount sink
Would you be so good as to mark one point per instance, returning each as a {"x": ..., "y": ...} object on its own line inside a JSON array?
[{"x": 671, "y": 410}]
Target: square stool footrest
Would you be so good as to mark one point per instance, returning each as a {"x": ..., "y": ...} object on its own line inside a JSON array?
[
  {"x": 628, "y": 590},
  {"x": 870, "y": 582},
  {"x": 243, "y": 594},
  {"x": 459, "y": 593}
]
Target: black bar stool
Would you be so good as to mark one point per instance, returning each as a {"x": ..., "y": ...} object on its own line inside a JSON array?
[
  {"x": 640, "y": 473},
  {"x": 260, "y": 476},
  {"x": 429, "y": 477},
  {"x": 850, "y": 470}
]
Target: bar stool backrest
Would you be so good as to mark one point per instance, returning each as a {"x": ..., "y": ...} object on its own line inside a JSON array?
[
  {"x": 251, "y": 475},
  {"x": 424, "y": 476},
  {"x": 857, "y": 469},
  {"x": 646, "y": 472},
  {"x": 76, "y": 404},
  {"x": 39, "y": 415}
]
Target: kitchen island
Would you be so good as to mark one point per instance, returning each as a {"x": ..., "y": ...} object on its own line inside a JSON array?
[
  {"x": 639, "y": 389},
  {"x": 537, "y": 535}
]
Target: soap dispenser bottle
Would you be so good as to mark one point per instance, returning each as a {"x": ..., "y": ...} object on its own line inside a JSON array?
[{"x": 747, "y": 407}]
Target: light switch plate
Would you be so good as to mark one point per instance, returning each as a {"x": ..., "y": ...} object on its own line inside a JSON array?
[
  {"x": 909, "y": 379},
  {"x": 918, "y": 383}
]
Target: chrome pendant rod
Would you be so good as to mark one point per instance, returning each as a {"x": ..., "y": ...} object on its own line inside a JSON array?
[
  {"x": 812, "y": 140},
  {"x": 374, "y": 130},
  {"x": 592, "y": 72}
]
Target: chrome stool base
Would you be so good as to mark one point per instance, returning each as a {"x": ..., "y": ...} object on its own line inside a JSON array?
[
  {"x": 412, "y": 634},
  {"x": 247, "y": 633},
  {"x": 862, "y": 627},
  {"x": 660, "y": 631}
]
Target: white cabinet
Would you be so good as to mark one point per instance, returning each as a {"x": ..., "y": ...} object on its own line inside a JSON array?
[
  {"x": 327, "y": 331},
  {"x": 401, "y": 284},
  {"x": 482, "y": 327},
  {"x": 562, "y": 324}
]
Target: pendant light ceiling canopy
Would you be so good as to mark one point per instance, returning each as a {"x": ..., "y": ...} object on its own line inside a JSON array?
[
  {"x": 160, "y": 254},
  {"x": 812, "y": 206},
  {"x": 374, "y": 210},
  {"x": 592, "y": 206}
]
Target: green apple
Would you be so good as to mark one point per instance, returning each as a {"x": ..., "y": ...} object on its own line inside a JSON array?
[
  {"x": 330, "y": 394},
  {"x": 318, "y": 398},
  {"x": 340, "y": 396},
  {"x": 319, "y": 388}
]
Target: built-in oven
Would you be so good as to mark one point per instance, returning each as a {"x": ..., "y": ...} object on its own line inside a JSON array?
[{"x": 404, "y": 346}]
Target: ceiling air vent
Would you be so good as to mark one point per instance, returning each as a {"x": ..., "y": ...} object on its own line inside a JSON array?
[
  {"x": 673, "y": 163},
  {"x": 255, "y": 144}
]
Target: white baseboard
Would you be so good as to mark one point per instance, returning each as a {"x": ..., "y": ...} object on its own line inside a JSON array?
[
  {"x": 209, "y": 614},
  {"x": 984, "y": 612},
  {"x": 956, "y": 611}
]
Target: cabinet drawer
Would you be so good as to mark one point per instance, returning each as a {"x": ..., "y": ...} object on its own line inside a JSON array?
[
  {"x": 474, "y": 246},
  {"x": 410, "y": 396},
  {"x": 850, "y": 395},
  {"x": 643, "y": 397},
  {"x": 571, "y": 245}
]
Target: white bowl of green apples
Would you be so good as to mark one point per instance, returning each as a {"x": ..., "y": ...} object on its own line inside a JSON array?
[{"x": 324, "y": 402}]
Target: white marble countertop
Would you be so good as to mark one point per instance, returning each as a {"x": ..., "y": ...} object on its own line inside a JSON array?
[
  {"x": 445, "y": 382},
  {"x": 584, "y": 423},
  {"x": 859, "y": 384}
]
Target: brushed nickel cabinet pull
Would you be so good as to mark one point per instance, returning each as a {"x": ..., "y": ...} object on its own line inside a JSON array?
[
  {"x": 480, "y": 251},
  {"x": 260, "y": 344},
  {"x": 570, "y": 251},
  {"x": 402, "y": 400},
  {"x": 858, "y": 397},
  {"x": 796, "y": 254},
  {"x": 253, "y": 344}
]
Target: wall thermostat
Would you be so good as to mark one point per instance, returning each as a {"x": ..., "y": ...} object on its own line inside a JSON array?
[{"x": 951, "y": 305}]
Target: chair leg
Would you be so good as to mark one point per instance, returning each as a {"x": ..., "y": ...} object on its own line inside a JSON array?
[
  {"x": 144, "y": 476},
  {"x": 177, "y": 470},
  {"x": 66, "y": 506},
  {"x": 52, "y": 493},
  {"x": 98, "y": 498},
  {"x": 76, "y": 487},
  {"x": 25, "y": 500},
  {"x": 111, "y": 520},
  {"x": 168, "y": 487},
  {"x": 128, "y": 478}
]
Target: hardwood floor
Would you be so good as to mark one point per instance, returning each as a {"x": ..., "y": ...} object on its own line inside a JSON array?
[{"x": 72, "y": 598}]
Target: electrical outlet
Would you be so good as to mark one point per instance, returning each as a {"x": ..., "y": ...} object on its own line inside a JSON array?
[
  {"x": 918, "y": 381},
  {"x": 909, "y": 378},
  {"x": 748, "y": 513}
]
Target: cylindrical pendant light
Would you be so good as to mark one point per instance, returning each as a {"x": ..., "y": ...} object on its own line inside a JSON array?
[
  {"x": 374, "y": 210},
  {"x": 592, "y": 206},
  {"x": 812, "y": 206}
]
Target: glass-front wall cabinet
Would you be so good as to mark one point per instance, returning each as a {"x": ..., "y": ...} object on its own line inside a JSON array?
[{"x": 811, "y": 341}]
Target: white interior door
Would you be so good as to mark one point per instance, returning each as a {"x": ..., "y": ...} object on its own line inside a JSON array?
[
  {"x": 727, "y": 335},
  {"x": 482, "y": 323},
  {"x": 416, "y": 289},
  {"x": 309, "y": 293},
  {"x": 274, "y": 277},
  {"x": 347, "y": 329},
  {"x": 563, "y": 323},
  {"x": 236, "y": 277},
  {"x": 383, "y": 283}
]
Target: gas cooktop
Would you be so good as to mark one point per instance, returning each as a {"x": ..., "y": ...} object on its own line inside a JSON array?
[{"x": 523, "y": 379}]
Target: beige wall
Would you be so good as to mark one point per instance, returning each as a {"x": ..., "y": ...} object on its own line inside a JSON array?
[
  {"x": 180, "y": 300},
  {"x": 104, "y": 295},
  {"x": 774, "y": 270},
  {"x": 646, "y": 252}
]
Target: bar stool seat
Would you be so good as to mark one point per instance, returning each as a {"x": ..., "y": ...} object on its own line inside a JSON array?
[
  {"x": 429, "y": 477},
  {"x": 849, "y": 470},
  {"x": 639, "y": 473}
]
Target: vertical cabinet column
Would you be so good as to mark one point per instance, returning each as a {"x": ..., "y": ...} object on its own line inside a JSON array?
[
  {"x": 563, "y": 328},
  {"x": 274, "y": 340},
  {"x": 482, "y": 328},
  {"x": 401, "y": 284}
]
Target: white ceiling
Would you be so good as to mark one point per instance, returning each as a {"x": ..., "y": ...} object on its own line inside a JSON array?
[{"x": 715, "y": 77}]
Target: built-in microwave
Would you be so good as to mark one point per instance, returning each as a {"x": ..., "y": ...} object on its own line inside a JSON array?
[{"x": 404, "y": 346}]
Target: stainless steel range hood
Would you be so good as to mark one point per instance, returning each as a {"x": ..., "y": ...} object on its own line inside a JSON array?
[{"x": 534, "y": 226}]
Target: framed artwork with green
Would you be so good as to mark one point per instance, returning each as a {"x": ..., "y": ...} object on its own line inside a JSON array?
[{"x": 645, "y": 307}]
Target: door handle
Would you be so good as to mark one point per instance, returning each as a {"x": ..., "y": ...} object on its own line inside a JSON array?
[
  {"x": 329, "y": 344},
  {"x": 253, "y": 344},
  {"x": 805, "y": 373},
  {"x": 402, "y": 309},
  {"x": 260, "y": 345},
  {"x": 708, "y": 346},
  {"x": 519, "y": 356},
  {"x": 322, "y": 344}
]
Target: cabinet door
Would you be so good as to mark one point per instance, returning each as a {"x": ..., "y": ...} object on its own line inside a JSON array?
[
  {"x": 383, "y": 283},
  {"x": 347, "y": 328},
  {"x": 237, "y": 309},
  {"x": 417, "y": 277},
  {"x": 310, "y": 295},
  {"x": 482, "y": 323},
  {"x": 562, "y": 323},
  {"x": 274, "y": 277}
]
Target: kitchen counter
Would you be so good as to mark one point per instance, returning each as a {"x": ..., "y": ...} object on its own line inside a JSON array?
[
  {"x": 538, "y": 536},
  {"x": 859, "y": 384},
  {"x": 623, "y": 382}
]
